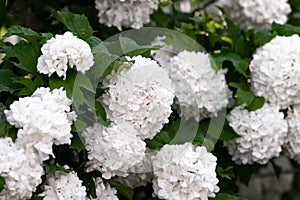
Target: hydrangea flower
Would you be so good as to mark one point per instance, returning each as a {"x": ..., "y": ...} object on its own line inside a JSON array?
[
  {"x": 184, "y": 172},
  {"x": 63, "y": 186},
  {"x": 44, "y": 119},
  {"x": 200, "y": 90},
  {"x": 113, "y": 150},
  {"x": 127, "y": 13},
  {"x": 275, "y": 71},
  {"x": 62, "y": 52},
  {"x": 104, "y": 191},
  {"x": 255, "y": 13},
  {"x": 262, "y": 134},
  {"x": 20, "y": 169},
  {"x": 139, "y": 93},
  {"x": 292, "y": 140}
]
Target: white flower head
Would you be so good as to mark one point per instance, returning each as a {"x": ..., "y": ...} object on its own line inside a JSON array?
[
  {"x": 262, "y": 134},
  {"x": 139, "y": 93},
  {"x": 127, "y": 13},
  {"x": 184, "y": 172},
  {"x": 275, "y": 71},
  {"x": 113, "y": 150},
  {"x": 63, "y": 52},
  {"x": 255, "y": 13},
  {"x": 63, "y": 186},
  {"x": 104, "y": 191},
  {"x": 292, "y": 140},
  {"x": 20, "y": 169},
  {"x": 200, "y": 90},
  {"x": 44, "y": 119}
]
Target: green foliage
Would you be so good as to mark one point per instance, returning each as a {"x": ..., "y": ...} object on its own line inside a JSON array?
[
  {"x": 122, "y": 189},
  {"x": 2, "y": 183},
  {"x": 77, "y": 24},
  {"x": 222, "y": 196},
  {"x": 227, "y": 173}
]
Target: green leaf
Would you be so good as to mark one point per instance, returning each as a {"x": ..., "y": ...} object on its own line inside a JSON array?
[
  {"x": 77, "y": 24},
  {"x": 240, "y": 64},
  {"x": 26, "y": 33},
  {"x": 131, "y": 48},
  {"x": 2, "y": 183},
  {"x": 6, "y": 81},
  {"x": 53, "y": 168},
  {"x": 223, "y": 196},
  {"x": 93, "y": 41},
  {"x": 261, "y": 36},
  {"x": 122, "y": 189},
  {"x": 28, "y": 55},
  {"x": 286, "y": 29},
  {"x": 160, "y": 18},
  {"x": 165, "y": 136},
  {"x": 101, "y": 113},
  {"x": 77, "y": 143},
  {"x": 277, "y": 169},
  {"x": 30, "y": 85},
  {"x": 227, "y": 173},
  {"x": 257, "y": 103},
  {"x": 6, "y": 130}
]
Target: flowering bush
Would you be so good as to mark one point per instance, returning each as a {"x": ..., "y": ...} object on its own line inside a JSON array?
[{"x": 149, "y": 99}]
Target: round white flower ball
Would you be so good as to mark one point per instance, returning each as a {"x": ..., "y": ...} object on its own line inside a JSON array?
[
  {"x": 44, "y": 119},
  {"x": 200, "y": 90},
  {"x": 262, "y": 134},
  {"x": 21, "y": 170},
  {"x": 63, "y": 185},
  {"x": 275, "y": 71},
  {"x": 113, "y": 150},
  {"x": 62, "y": 52},
  {"x": 184, "y": 172},
  {"x": 140, "y": 93},
  {"x": 127, "y": 13},
  {"x": 104, "y": 191},
  {"x": 255, "y": 13},
  {"x": 292, "y": 140}
]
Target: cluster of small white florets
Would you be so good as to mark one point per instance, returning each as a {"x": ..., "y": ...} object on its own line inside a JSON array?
[
  {"x": 20, "y": 168},
  {"x": 139, "y": 93},
  {"x": 275, "y": 71},
  {"x": 256, "y": 13},
  {"x": 262, "y": 134},
  {"x": 292, "y": 140},
  {"x": 200, "y": 90},
  {"x": 184, "y": 172},
  {"x": 63, "y": 52},
  {"x": 113, "y": 150},
  {"x": 44, "y": 118},
  {"x": 104, "y": 191},
  {"x": 64, "y": 186},
  {"x": 127, "y": 13}
]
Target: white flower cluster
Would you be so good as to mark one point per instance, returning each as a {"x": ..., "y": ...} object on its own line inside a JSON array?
[
  {"x": 200, "y": 90},
  {"x": 139, "y": 93},
  {"x": 104, "y": 191},
  {"x": 43, "y": 118},
  {"x": 65, "y": 51},
  {"x": 63, "y": 186},
  {"x": 292, "y": 140},
  {"x": 184, "y": 172},
  {"x": 127, "y": 13},
  {"x": 262, "y": 134},
  {"x": 20, "y": 169},
  {"x": 275, "y": 71},
  {"x": 113, "y": 150},
  {"x": 256, "y": 13}
]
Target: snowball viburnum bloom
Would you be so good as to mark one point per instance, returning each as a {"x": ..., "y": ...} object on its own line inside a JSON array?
[
  {"x": 292, "y": 140},
  {"x": 104, "y": 191},
  {"x": 113, "y": 150},
  {"x": 63, "y": 52},
  {"x": 275, "y": 71},
  {"x": 256, "y": 13},
  {"x": 20, "y": 169},
  {"x": 44, "y": 119},
  {"x": 63, "y": 186},
  {"x": 262, "y": 134},
  {"x": 184, "y": 172},
  {"x": 200, "y": 90},
  {"x": 139, "y": 93},
  {"x": 127, "y": 13}
]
